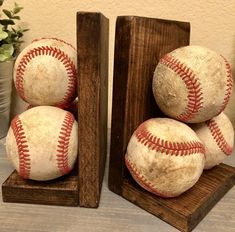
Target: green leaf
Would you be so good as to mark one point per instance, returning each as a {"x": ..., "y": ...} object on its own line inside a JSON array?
[
  {"x": 7, "y": 48},
  {"x": 5, "y": 57},
  {"x": 1, "y": 2},
  {"x": 7, "y": 13},
  {"x": 15, "y": 17},
  {"x": 12, "y": 34},
  {"x": 13, "y": 29},
  {"x": 10, "y": 38},
  {"x": 6, "y": 22},
  {"x": 6, "y": 52},
  {"x": 20, "y": 34},
  {"x": 17, "y": 8},
  {"x": 3, "y": 35}
]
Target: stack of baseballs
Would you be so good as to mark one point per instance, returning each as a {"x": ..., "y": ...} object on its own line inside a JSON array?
[
  {"x": 192, "y": 86},
  {"x": 42, "y": 142}
]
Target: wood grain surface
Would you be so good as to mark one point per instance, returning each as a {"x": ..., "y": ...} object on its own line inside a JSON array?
[
  {"x": 62, "y": 191},
  {"x": 139, "y": 44},
  {"x": 187, "y": 210},
  {"x": 83, "y": 186},
  {"x": 92, "y": 50},
  {"x": 114, "y": 213}
]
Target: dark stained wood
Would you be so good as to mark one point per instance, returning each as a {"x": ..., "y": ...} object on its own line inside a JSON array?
[
  {"x": 80, "y": 187},
  {"x": 61, "y": 191},
  {"x": 139, "y": 43},
  {"x": 92, "y": 46},
  {"x": 186, "y": 211}
]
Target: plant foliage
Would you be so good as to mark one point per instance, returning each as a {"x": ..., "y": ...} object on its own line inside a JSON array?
[{"x": 10, "y": 36}]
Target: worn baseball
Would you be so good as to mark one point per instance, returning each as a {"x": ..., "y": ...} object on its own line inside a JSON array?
[
  {"x": 42, "y": 143},
  {"x": 217, "y": 135},
  {"x": 165, "y": 157},
  {"x": 192, "y": 84},
  {"x": 45, "y": 72},
  {"x": 72, "y": 108}
]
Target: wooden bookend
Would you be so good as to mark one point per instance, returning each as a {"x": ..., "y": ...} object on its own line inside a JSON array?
[
  {"x": 62, "y": 191},
  {"x": 92, "y": 46},
  {"x": 82, "y": 186},
  {"x": 139, "y": 43}
]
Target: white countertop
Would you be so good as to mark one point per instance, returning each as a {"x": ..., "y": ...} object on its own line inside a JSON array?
[{"x": 113, "y": 215}]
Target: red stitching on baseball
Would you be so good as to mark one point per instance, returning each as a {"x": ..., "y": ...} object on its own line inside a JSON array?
[
  {"x": 53, "y": 38},
  {"x": 143, "y": 181},
  {"x": 23, "y": 151},
  {"x": 218, "y": 137},
  {"x": 172, "y": 148},
  {"x": 195, "y": 99},
  {"x": 63, "y": 144},
  {"x": 229, "y": 85},
  {"x": 56, "y": 53}
]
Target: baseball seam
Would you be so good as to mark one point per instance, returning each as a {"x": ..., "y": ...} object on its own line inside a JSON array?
[
  {"x": 53, "y": 38},
  {"x": 229, "y": 85},
  {"x": 143, "y": 181},
  {"x": 218, "y": 137},
  {"x": 23, "y": 149},
  {"x": 63, "y": 144},
  {"x": 169, "y": 148},
  {"x": 56, "y": 53},
  {"x": 195, "y": 98}
]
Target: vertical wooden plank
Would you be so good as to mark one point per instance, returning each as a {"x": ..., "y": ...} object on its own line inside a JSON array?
[
  {"x": 121, "y": 68},
  {"x": 92, "y": 48},
  {"x": 139, "y": 44}
]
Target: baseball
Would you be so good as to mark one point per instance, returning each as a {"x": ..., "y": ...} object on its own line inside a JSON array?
[
  {"x": 165, "y": 157},
  {"x": 42, "y": 143},
  {"x": 218, "y": 137},
  {"x": 72, "y": 108},
  {"x": 192, "y": 84},
  {"x": 45, "y": 73}
]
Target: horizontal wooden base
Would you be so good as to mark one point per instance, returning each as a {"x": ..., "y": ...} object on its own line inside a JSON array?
[
  {"x": 62, "y": 191},
  {"x": 187, "y": 210}
]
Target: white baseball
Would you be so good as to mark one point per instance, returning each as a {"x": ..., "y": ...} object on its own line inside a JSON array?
[
  {"x": 217, "y": 134},
  {"x": 165, "y": 157},
  {"x": 192, "y": 84},
  {"x": 72, "y": 108},
  {"x": 42, "y": 143},
  {"x": 45, "y": 73}
]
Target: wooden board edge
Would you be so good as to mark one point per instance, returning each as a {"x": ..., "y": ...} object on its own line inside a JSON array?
[
  {"x": 11, "y": 195},
  {"x": 122, "y": 49},
  {"x": 14, "y": 193},
  {"x": 185, "y": 25},
  {"x": 197, "y": 216},
  {"x": 184, "y": 223},
  {"x": 103, "y": 108},
  {"x": 146, "y": 202},
  {"x": 92, "y": 168}
]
